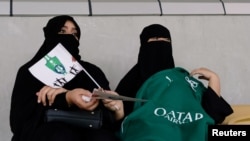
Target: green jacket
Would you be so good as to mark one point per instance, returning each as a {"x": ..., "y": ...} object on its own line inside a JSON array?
[{"x": 173, "y": 111}]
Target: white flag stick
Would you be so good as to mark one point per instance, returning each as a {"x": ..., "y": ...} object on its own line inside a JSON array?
[{"x": 90, "y": 77}]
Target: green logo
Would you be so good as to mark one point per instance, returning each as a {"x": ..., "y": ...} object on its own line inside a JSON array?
[{"x": 54, "y": 64}]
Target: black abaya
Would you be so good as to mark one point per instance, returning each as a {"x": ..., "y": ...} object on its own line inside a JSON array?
[{"x": 27, "y": 115}]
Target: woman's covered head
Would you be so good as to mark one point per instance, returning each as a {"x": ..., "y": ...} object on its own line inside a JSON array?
[
  {"x": 56, "y": 25},
  {"x": 154, "y": 30},
  {"x": 60, "y": 29},
  {"x": 155, "y": 53}
]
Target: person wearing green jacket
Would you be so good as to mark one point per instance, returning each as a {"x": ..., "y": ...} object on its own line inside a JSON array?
[{"x": 155, "y": 55}]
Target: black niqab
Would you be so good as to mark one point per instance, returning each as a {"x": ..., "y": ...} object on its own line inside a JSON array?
[{"x": 153, "y": 57}]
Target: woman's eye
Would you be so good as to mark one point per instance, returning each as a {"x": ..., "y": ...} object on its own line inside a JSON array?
[{"x": 62, "y": 31}]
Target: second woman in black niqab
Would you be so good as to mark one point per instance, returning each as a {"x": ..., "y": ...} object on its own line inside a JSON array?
[{"x": 155, "y": 55}]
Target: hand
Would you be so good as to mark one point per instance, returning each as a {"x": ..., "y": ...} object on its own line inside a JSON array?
[
  {"x": 114, "y": 105},
  {"x": 78, "y": 97},
  {"x": 204, "y": 73},
  {"x": 49, "y": 93},
  {"x": 210, "y": 76}
]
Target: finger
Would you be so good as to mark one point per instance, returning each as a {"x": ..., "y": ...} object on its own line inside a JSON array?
[
  {"x": 38, "y": 97},
  {"x": 52, "y": 99},
  {"x": 116, "y": 107},
  {"x": 197, "y": 73},
  {"x": 40, "y": 94},
  {"x": 113, "y": 107},
  {"x": 194, "y": 72},
  {"x": 50, "y": 94},
  {"x": 107, "y": 100},
  {"x": 82, "y": 103},
  {"x": 42, "y": 97},
  {"x": 86, "y": 98},
  {"x": 43, "y": 94},
  {"x": 91, "y": 105}
]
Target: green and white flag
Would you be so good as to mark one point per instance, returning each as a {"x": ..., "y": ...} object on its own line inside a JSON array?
[{"x": 56, "y": 68}]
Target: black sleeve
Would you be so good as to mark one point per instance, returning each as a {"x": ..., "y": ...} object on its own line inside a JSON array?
[
  {"x": 216, "y": 106},
  {"x": 125, "y": 88},
  {"x": 25, "y": 112},
  {"x": 60, "y": 102}
]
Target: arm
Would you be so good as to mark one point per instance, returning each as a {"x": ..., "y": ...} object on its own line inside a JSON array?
[
  {"x": 216, "y": 106},
  {"x": 63, "y": 99},
  {"x": 210, "y": 76},
  {"x": 212, "y": 101},
  {"x": 72, "y": 92},
  {"x": 55, "y": 97}
]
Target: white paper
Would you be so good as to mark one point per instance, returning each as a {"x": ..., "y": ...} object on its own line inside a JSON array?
[{"x": 56, "y": 68}]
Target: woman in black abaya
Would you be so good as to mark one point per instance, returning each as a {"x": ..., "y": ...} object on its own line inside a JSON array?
[
  {"x": 155, "y": 55},
  {"x": 31, "y": 98}
]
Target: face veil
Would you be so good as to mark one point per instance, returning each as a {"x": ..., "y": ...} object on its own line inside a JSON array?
[
  {"x": 52, "y": 38},
  {"x": 154, "y": 56}
]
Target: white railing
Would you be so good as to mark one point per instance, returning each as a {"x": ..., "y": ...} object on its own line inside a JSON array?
[{"x": 124, "y": 7}]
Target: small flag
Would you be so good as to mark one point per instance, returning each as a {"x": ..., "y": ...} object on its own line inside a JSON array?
[{"x": 56, "y": 68}]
